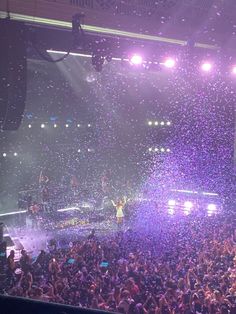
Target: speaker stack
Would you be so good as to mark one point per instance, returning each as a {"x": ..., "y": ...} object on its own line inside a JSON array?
[{"x": 13, "y": 66}]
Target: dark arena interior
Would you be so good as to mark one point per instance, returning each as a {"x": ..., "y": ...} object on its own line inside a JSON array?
[{"x": 117, "y": 156}]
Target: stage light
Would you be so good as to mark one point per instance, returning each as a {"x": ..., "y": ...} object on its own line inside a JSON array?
[
  {"x": 171, "y": 202},
  {"x": 168, "y": 123},
  {"x": 169, "y": 63},
  {"x": 156, "y": 150},
  {"x": 150, "y": 123},
  {"x": 156, "y": 122},
  {"x": 89, "y": 125},
  {"x": 55, "y": 125},
  {"x": 188, "y": 204},
  {"x": 67, "y": 125},
  {"x": 78, "y": 125},
  {"x": 136, "y": 59},
  {"x": 206, "y": 67},
  {"x": 42, "y": 126},
  {"x": 168, "y": 150},
  {"x": 162, "y": 150},
  {"x": 79, "y": 150},
  {"x": 187, "y": 207},
  {"x": 211, "y": 207},
  {"x": 15, "y": 154},
  {"x": 162, "y": 123},
  {"x": 89, "y": 150},
  {"x": 29, "y": 126},
  {"x": 4, "y": 155},
  {"x": 234, "y": 70},
  {"x": 150, "y": 149}
]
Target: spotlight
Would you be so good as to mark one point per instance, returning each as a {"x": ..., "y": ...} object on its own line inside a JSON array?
[
  {"x": 55, "y": 125},
  {"x": 136, "y": 59},
  {"x": 169, "y": 63},
  {"x": 188, "y": 205},
  {"x": 15, "y": 154},
  {"x": 162, "y": 150},
  {"x": 156, "y": 149},
  {"x": 211, "y": 207},
  {"x": 42, "y": 126},
  {"x": 89, "y": 150},
  {"x": 168, "y": 123},
  {"x": 79, "y": 150},
  {"x": 234, "y": 70},
  {"x": 4, "y": 155},
  {"x": 206, "y": 67},
  {"x": 67, "y": 125},
  {"x": 168, "y": 150},
  {"x": 78, "y": 125},
  {"x": 89, "y": 125},
  {"x": 150, "y": 123},
  {"x": 150, "y": 149},
  {"x": 29, "y": 126},
  {"x": 171, "y": 202},
  {"x": 156, "y": 123},
  {"x": 162, "y": 123}
]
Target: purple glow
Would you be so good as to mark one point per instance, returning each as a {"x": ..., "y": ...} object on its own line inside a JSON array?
[
  {"x": 206, "y": 66},
  {"x": 136, "y": 59},
  {"x": 188, "y": 204},
  {"x": 211, "y": 207},
  {"x": 171, "y": 202},
  {"x": 187, "y": 211},
  {"x": 169, "y": 63},
  {"x": 234, "y": 70}
]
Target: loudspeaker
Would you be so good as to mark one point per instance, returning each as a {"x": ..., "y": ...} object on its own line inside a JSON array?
[{"x": 13, "y": 67}]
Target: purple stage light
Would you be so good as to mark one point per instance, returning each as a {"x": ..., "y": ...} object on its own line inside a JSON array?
[
  {"x": 234, "y": 70},
  {"x": 188, "y": 204},
  {"x": 171, "y": 202},
  {"x": 211, "y": 207},
  {"x": 206, "y": 66},
  {"x": 169, "y": 63},
  {"x": 136, "y": 59}
]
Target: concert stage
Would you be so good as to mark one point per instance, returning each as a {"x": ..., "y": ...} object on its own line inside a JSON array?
[
  {"x": 64, "y": 225},
  {"x": 34, "y": 232}
]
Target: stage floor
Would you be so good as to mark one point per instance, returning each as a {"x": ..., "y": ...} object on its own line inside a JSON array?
[{"x": 33, "y": 240}]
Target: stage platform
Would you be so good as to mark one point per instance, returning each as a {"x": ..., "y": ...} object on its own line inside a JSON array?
[{"x": 64, "y": 226}]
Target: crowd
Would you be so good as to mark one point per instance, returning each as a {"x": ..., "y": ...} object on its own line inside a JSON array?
[{"x": 188, "y": 266}]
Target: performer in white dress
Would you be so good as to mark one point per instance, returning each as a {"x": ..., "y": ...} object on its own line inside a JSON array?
[{"x": 119, "y": 209}]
